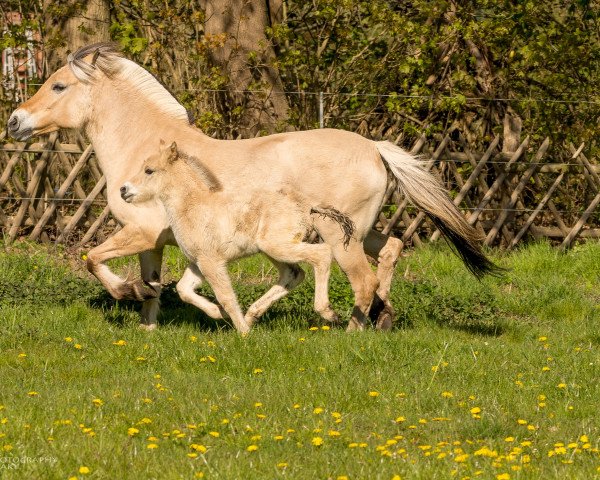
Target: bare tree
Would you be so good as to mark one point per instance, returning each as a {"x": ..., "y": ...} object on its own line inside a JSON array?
[{"x": 255, "y": 91}]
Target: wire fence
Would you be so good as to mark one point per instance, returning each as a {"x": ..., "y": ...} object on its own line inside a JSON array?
[{"x": 55, "y": 191}]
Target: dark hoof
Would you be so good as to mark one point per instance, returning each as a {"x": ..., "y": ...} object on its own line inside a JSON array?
[
  {"x": 385, "y": 320},
  {"x": 377, "y": 308}
]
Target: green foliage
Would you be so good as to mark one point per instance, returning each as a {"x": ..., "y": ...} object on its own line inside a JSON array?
[{"x": 387, "y": 68}]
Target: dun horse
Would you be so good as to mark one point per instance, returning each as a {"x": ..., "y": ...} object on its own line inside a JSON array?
[
  {"x": 214, "y": 225},
  {"x": 123, "y": 110}
]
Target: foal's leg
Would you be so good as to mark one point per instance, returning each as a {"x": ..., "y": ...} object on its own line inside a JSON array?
[
  {"x": 318, "y": 256},
  {"x": 290, "y": 276},
  {"x": 216, "y": 275},
  {"x": 386, "y": 250},
  {"x": 191, "y": 279}
]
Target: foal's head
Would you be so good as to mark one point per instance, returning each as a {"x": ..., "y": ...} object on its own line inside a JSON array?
[{"x": 150, "y": 180}]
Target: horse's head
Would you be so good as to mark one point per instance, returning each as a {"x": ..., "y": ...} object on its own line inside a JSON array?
[
  {"x": 64, "y": 100},
  {"x": 149, "y": 181}
]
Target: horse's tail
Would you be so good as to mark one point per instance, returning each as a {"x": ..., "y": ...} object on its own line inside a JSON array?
[{"x": 426, "y": 193}]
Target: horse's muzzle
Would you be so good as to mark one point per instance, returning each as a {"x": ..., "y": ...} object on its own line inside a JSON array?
[{"x": 14, "y": 128}]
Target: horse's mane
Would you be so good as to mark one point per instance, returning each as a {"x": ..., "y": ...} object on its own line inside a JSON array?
[{"x": 107, "y": 58}]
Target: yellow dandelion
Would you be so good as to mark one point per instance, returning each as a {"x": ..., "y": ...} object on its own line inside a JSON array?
[
  {"x": 333, "y": 433},
  {"x": 32, "y": 393},
  {"x": 561, "y": 385},
  {"x": 317, "y": 441},
  {"x": 503, "y": 476},
  {"x": 132, "y": 431},
  {"x": 257, "y": 371},
  {"x": 447, "y": 394},
  {"x": 509, "y": 439},
  {"x": 520, "y": 421},
  {"x": 198, "y": 448},
  {"x": 120, "y": 343},
  {"x": 373, "y": 394},
  {"x": 584, "y": 439},
  {"x": 313, "y": 329},
  {"x": 192, "y": 455},
  {"x": 68, "y": 339},
  {"x": 318, "y": 410},
  {"x": 252, "y": 448},
  {"x": 78, "y": 346},
  {"x": 461, "y": 458},
  {"x": 151, "y": 446},
  {"x": 278, "y": 437},
  {"x": 98, "y": 402},
  {"x": 325, "y": 327},
  {"x": 84, "y": 470},
  {"x": 475, "y": 410},
  {"x": 396, "y": 477},
  {"x": 282, "y": 465},
  {"x": 214, "y": 434},
  {"x": 22, "y": 355},
  {"x": 400, "y": 419}
]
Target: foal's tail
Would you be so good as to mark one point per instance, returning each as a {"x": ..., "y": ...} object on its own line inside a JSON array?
[{"x": 426, "y": 193}]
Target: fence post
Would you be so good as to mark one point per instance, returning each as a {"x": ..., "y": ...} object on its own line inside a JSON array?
[{"x": 321, "y": 119}]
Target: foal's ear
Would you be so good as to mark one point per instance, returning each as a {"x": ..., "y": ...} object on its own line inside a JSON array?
[{"x": 173, "y": 152}]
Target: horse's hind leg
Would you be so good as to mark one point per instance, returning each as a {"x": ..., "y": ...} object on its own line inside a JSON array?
[
  {"x": 186, "y": 286},
  {"x": 290, "y": 276},
  {"x": 386, "y": 250},
  {"x": 353, "y": 261}
]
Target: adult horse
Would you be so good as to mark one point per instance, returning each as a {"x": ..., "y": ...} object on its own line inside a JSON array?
[{"x": 124, "y": 111}]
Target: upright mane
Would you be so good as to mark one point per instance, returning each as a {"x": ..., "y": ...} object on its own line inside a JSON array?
[{"x": 107, "y": 59}]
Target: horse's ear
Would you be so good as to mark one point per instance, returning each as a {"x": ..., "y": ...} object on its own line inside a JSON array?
[{"x": 173, "y": 152}]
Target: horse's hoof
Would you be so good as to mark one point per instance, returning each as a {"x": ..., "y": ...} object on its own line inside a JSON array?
[
  {"x": 384, "y": 321},
  {"x": 148, "y": 327}
]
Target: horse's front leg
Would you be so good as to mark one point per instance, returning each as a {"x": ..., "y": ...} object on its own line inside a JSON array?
[
  {"x": 151, "y": 263},
  {"x": 130, "y": 240}
]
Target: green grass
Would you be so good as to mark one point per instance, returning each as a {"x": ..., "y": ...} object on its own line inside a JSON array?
[{"x": 479, "y": 380}]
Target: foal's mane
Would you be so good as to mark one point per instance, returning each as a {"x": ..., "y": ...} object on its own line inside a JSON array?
[{"x": 107, "y": 59}]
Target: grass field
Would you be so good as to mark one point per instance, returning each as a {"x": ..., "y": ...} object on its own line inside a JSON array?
[{"x": 494, "y": 380}]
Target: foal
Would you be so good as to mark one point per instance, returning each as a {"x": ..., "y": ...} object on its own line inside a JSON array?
[{"x": 213, "y": 226}]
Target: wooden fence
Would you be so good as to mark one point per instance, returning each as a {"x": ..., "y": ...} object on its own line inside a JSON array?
[{"x": 53, "y": 191}]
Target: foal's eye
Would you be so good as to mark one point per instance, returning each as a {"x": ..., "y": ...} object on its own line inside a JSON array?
[
  {"x": 59, "y": 87},
  {"x": 148, "y": 171}
]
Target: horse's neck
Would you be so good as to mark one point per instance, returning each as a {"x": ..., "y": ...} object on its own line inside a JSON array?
[{"x": 126, "y": 130}]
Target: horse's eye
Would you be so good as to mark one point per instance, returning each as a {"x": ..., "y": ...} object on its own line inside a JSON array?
[
  {"x": 59, "y": 87},
  {"x": 148, "y": 171}
]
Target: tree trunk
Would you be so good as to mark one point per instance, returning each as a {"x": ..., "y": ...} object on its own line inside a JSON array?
[
  {"x": 81, "y": 25},
  {"x": 246, "y": 58}
]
